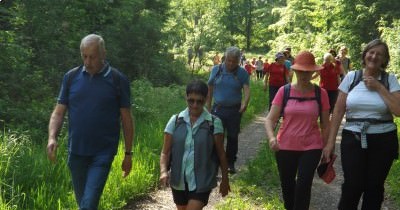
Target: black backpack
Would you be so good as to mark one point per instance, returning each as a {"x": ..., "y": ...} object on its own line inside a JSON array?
[
  {"x": 286, "y": 97},
  {"x": 358, "y": 78},
  {"x": 116, "y": 77}
]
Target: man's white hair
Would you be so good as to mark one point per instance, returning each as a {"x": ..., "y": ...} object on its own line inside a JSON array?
[
  {"x": 93, "y": 38},
  {"x": 233, "y": 52}
]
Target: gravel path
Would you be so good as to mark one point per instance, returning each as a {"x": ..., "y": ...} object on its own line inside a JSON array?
[{"x": 324, "y": 197}]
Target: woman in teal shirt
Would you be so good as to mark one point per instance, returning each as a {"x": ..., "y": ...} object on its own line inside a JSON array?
[{"x": 192, "y": 151}]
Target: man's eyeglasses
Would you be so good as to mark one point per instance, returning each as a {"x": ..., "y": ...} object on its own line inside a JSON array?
[{"x": 192, "y": 101}]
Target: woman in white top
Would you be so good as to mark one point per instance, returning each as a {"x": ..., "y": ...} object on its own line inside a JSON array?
[{"x": 369, "y": 138}]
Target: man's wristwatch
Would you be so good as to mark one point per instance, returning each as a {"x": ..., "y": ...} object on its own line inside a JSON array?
[{"x": 129, "y": 153}]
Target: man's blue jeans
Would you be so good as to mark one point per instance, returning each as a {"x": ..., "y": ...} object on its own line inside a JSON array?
[{"x": 89, "y": 175}]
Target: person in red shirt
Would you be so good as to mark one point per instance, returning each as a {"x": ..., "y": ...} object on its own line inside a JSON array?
[
  {"x": 329, "y": 78},
  {"x": 248, "y": 67},
  {"x": 276, "y": 76},
  {"x": 266, "y": 64}
]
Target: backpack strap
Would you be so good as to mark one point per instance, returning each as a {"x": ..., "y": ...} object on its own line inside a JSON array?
[
  {"x": 219, "y": 72},
  {"x": 71, "y": 74},
  {"x": 286, "y": 97},
  {"x": 317, "y": 90},
  {"x": 385, "y": 79},
  {"x": 286, "y": 94},
  {"x": 357, "y": 79},
  {"x": 211, "y": 124}
]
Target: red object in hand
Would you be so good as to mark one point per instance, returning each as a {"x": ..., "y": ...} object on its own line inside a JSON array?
[{"x": 326, "y": 171}]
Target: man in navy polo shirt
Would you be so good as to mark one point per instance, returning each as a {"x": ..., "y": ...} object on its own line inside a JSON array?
[
  {"x": 97, "y": 98},
  {"x": 225, "y": 86}
]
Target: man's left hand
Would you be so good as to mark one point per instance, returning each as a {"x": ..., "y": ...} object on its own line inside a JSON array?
[
  {"x": 243, "y": 108},
  {"x": 126, "y": 165}
]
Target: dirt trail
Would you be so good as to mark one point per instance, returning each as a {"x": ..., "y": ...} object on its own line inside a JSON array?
[{"x": 324, "y": 197}]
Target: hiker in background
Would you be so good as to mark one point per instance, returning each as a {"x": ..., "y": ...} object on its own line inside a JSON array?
[
  {"x": 344, "y": 60},
  {"x": 190, "y": 55},
  {"x": 193, "y": 131},
  {"x": 216, "y": 59},
  {"x": 253, "y": 62},
  {"x": 226, "y": 85},
  {"x": 289, "y": 51},
  {"x": 95, "y": 112},
  {"x": 275, "y": 77},
  {"x": 200, "y": 54},
  {"x": 338, "y": 64},
  {"x": 248, "y": 67},
  {"x": 242, "y": 57},
  {"x": 329, "y": 78},
  {"x": 288, "y": 64},
  {"x": 301, "y": 137},
  {"x": 369, "y": 97},
  {"x": 265, "y": 66},
  {"x": 259, "y": 68}
]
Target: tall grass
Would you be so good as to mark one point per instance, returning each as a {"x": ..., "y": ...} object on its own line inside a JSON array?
[{"x": 393, "y": 180}]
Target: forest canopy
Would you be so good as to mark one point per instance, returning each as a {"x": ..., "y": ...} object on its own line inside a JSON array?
[{"x": 148, "y": 39}]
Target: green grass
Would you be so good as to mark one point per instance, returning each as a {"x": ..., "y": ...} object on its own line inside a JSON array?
[{"x": 257, "y": 187}]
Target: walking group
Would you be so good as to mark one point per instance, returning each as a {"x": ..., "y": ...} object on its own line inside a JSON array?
[{"x": 97, "y": 98}]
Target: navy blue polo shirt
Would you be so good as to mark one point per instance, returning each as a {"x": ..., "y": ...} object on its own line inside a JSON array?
[{"x": 94, "y": 111}]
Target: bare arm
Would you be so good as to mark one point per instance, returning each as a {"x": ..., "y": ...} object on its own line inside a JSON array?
[
  {"x": 324, "y": 125},
  {"x": 164, "y": 159},
  {"x": 338, "y": 113},
  {"x": 219, "y": 146},
  {"x": 56, "y": 121},
  {"x": 270, "y": 123},
  {"x": 266, "y": 81},
  {"x": 245, "y": 103},
  {"x": 315, "y": 75},
  {"x": 128, "y": 130}
]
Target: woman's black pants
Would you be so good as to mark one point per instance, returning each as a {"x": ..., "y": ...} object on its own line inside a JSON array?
[
  {"x": 365, "y": 170},
  {"x": 296, "y": 172}
]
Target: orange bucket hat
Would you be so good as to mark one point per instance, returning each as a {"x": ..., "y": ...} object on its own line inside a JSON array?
[{"x": 305, "y": 61}]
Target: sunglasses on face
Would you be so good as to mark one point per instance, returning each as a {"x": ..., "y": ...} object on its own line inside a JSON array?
[{"x": 192, "y": 101}]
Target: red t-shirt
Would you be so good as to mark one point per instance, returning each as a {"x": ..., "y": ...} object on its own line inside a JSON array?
[
  {"x": 277, "y": 74},
  {"x": 329, "y": 76},
  {"x": 248, "y": 68},
  {"x": 266, "y": 64},
  {"x": 300, "y": 130}
]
